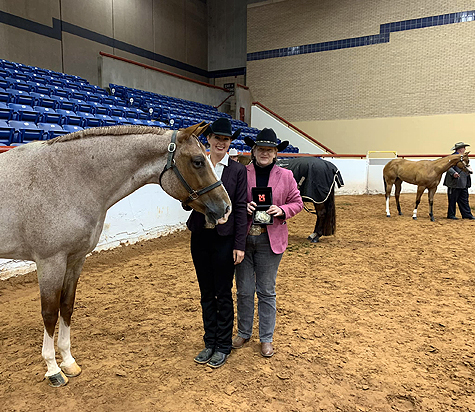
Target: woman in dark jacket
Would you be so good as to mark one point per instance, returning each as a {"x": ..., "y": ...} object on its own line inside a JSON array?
[{"x": 217, "y": 250}]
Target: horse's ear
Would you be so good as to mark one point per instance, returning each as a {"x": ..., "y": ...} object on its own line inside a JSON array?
[
  {"x": 467, "y": 153},
  {"x": 197, "y": 130}
]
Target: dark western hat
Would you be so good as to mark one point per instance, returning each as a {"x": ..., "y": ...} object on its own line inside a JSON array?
[
  {"x": 459, "y": 145},
  {"x": 222, "y": 127},
  {"x": 266, "y": 137}
]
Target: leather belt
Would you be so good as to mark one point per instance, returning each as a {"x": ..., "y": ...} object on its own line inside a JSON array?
[{"x": 257, "y": 230}]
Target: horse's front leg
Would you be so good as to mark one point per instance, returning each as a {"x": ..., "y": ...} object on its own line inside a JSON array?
[
  {"x": 431, "y": 203},
  {"x": 68, "y": 365},
  {"x": 388, "y": 187},
  {"x": 420, "y": 191},
  {"x": 51, "y": 273}
]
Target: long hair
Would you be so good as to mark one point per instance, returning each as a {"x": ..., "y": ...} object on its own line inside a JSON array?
[{"x": 329, "y": 225}]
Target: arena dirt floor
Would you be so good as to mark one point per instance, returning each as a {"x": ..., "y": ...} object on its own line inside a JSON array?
[{"x": 379, "y": 317}]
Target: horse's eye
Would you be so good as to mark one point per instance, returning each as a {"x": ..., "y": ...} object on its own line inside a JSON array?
[{"x": 198, "y": 163}]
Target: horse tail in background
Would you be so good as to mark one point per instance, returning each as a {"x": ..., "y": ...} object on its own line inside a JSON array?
[{"x": 329, "y": 224}]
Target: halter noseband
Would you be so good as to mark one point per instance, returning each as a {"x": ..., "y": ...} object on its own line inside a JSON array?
[{"x": 172, "y": 165}]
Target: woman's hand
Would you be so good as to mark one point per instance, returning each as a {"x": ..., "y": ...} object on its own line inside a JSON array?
[
  {"x": 251, "y": 207},
  {"x": 275, "y": 211},
  {"x": 238, "y": 256}
]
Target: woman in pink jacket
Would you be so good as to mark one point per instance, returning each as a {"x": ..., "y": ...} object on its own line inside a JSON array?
[{"x": 265, "y": 243}]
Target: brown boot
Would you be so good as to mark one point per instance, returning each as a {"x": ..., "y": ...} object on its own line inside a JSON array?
[
  {"x": 266, "y": 349},
  {"x": 238, "y": 342}
]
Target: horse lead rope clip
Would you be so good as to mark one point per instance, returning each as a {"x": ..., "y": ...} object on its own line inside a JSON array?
[{"x": 172, "y": 165}]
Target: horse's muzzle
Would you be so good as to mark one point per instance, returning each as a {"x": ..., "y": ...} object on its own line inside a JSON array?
[{"x": 214, "y": 217}]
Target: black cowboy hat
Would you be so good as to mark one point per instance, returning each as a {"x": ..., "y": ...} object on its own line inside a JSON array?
[
  {"x": 459, "y": 145},
  {"x": 266, "y": 137},
  {"x": 222, "y": 127}
]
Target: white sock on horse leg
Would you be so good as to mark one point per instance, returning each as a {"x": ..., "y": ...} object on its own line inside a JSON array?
[
  {"x": 313, "y": 235},
  {"x": 387, "y": 207},
  {"x": 64, "y": 343},
  {"x": 414, "y": 214},
  {"x": 48, "y": 354}
]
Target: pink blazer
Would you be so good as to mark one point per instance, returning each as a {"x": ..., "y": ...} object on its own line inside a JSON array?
[{"x": 285, "y": 195}]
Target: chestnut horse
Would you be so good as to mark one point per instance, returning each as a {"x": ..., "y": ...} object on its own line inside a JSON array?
[
  {"x": 426, "y": 174},
  {"x": 55, "y": 195}
]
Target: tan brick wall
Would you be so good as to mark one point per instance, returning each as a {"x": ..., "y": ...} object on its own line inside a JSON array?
[{"x": 422, "y": 72}]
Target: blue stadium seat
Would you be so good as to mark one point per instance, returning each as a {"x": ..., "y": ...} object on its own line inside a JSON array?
[
  {"x": 106, "y": 120},
  {"x": 77, "y": 94},
  {"x": 71, "y": 129},
  {"x": 6, "y": 113},
  {"x": 43, "y": 100},
  {"x": 99, "y": 108},
  {"x": 58, "y": 91},
  {"x": 37, "y": 87},
  {"x": 63, "y": 103},
  {"x": 17, "y": 84},
  {"x": 20, "y": 97},
  {"x": 89, "y": 120},
  {"x": 24, "y": 113},
  {"x": 6, "y": 133},
  {"x": 84, "y": 107},
  {"x": 118, "y": 111},
  {"x": 69, "y": 118},
  {"x": 48, "y": 115},
  {"x": 121, "y": 120},
  {"x": 17, "y": 74},
  {"x": 4, "y": 96},
  {"x": 26, "y": 131},
  {"x": 7, "y": 64},
  {"x": 116, "y": 101},
  {"x": 92, "y": 97},
  {"x": 38, "y": 78},
  {"x": 51, "y": 130}
]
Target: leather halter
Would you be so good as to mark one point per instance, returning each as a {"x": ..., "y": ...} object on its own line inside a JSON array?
[{"x": 172, "y": 165}]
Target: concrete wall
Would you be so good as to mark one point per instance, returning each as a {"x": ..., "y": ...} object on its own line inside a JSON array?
[
  {"x": 130, "y": 75},
  {"x": 261, "y": 119},
  {"x": 227, "y": 39},
  {"x": 406, "y": 89},
  {"x": 66, "y": 35}
]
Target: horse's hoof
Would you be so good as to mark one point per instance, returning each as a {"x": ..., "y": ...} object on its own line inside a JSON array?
[
  {"x": 310, "y": 238},
  {"x": 315, "y": 239},
  {"x": 400, "y": 213},
  {"x": 72, "y": 370},
  {"x": 414, "y": 217},
  {"x": 57, "y": 380}
]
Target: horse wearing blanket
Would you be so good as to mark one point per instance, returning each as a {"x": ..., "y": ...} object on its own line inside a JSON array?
[
  {"x": 316, "y": 179},
  {"x": 55, "y": 195}
]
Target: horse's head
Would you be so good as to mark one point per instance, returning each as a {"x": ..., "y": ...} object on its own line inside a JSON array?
[
  {"x": 464, "y": 163},
  {"x": 194, "y": 182}
]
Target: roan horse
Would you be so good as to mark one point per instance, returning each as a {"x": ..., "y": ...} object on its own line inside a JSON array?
[
  {"x": 55, "y": 195},
  {"x": 426, "y": 174},
  {"x": 316, "y": 179}
]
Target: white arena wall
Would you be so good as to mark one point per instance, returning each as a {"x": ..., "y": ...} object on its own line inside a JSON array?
[{"x": 149, "y": 212}]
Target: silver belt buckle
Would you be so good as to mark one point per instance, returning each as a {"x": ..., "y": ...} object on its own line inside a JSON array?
[{"x": 255, "y": 230}]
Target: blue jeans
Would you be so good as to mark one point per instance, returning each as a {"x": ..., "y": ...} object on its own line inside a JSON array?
[{"x": 257, "y": 273}]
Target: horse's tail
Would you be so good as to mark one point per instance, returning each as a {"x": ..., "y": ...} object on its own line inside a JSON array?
[{"x": 329, "y": 225}]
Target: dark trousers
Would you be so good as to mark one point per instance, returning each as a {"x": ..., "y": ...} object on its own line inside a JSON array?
[
  {"x": 213, "y": 259},
  {"x": 458, "y": 197}
]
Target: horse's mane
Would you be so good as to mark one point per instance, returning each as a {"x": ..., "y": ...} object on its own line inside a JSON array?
[{"x": 107, "y": 131}]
